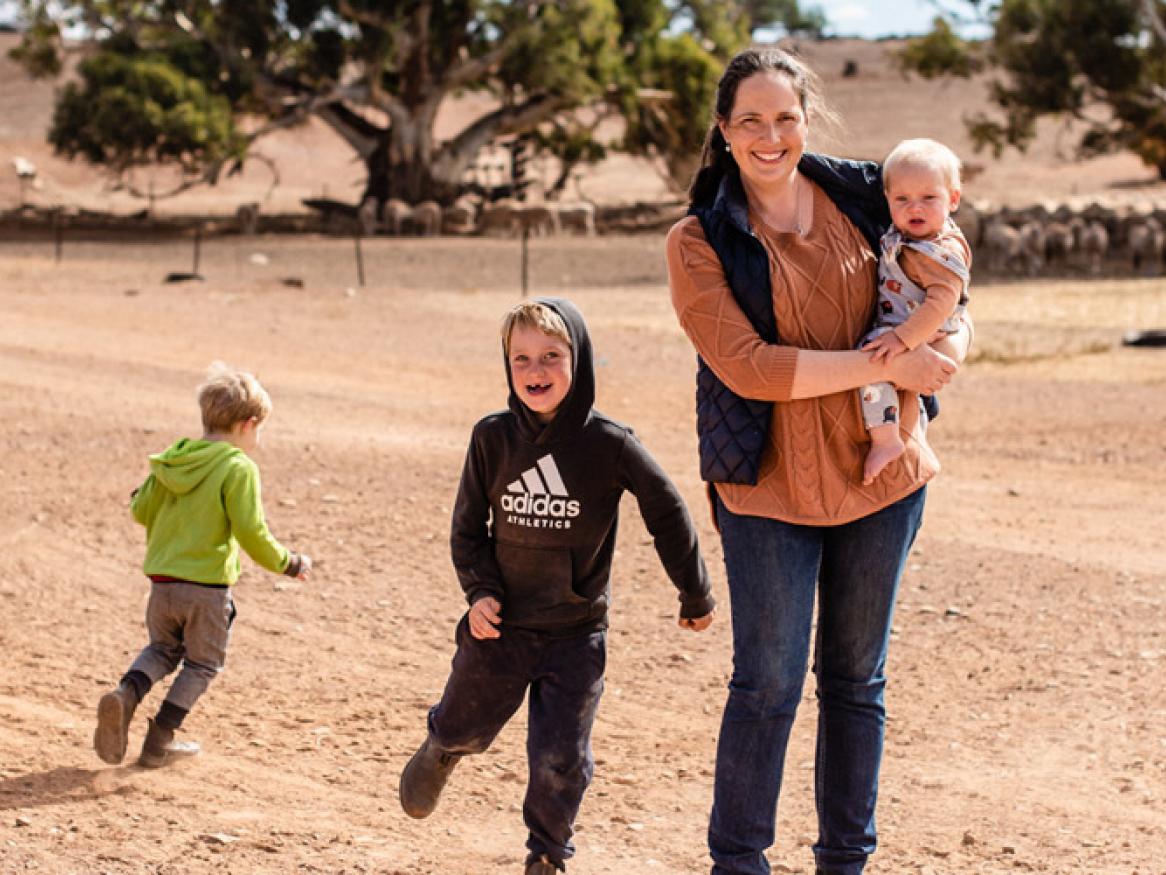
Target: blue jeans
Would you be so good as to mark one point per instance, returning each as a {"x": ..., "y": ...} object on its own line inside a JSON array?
[{"x": 774, "y": 570}]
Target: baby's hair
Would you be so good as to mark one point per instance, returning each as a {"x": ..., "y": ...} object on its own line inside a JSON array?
[
  {"x": 532, "y": 314},
  {"x": 229, "y": 396},
  {"x": 926, "y": 154}
]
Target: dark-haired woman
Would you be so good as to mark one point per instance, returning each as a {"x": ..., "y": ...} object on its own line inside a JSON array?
[{"x": 773, "y": 279}]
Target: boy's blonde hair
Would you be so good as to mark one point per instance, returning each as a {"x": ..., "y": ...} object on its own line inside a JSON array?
[
  {"x": 926, "y": 154},
  {"x": 531, "y": 314},
  {"x": 229, "y": 396}
]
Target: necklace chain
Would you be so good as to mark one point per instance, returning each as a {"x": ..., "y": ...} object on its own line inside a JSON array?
[{"x": 797, "y": 223}]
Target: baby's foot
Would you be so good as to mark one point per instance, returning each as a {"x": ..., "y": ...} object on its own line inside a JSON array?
[{"x": 879, "y": 457}]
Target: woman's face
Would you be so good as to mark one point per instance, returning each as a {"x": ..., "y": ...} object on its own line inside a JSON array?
[{"x": 766, "y": 129}]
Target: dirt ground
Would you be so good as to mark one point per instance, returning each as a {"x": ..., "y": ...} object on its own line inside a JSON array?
[{"x": 1026, "y": 728}]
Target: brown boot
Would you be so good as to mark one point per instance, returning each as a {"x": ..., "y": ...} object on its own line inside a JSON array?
[
  {"x": 114, "y": 712},
  {"x": 543, "y": 866},
  {"x": 424, "y": 777},
  {"x": 160, "y": 747}
]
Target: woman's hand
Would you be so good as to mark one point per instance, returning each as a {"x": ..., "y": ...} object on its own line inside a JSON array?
[{"x": 922, "y": 370}]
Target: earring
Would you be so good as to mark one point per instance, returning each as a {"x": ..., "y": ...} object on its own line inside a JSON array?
[{"x": 728, "y": 147}]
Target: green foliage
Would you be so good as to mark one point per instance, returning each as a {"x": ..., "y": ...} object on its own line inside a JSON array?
[
  {"x": 127, "y": 112},
  {"x": 789, "y": 14},
  {"x": 572, "y": 53},
  {"x": 940, "y": 53},
  {"x": 163, "y": 78},
  {"x": 1101, "y": 62},
  {"x": 674, "y": 119},
  {"x": 37, "y": 51}
]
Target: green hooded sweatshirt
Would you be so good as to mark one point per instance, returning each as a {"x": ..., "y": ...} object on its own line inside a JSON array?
[{"x": 200, "y": 503}]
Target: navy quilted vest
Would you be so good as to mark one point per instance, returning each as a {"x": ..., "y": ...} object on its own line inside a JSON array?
[{"x": 732, "y": 430}]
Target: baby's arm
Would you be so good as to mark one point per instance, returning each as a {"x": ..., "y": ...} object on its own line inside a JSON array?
[
  {"x": 885, "y": 347},
  {"x": 943, "y": 290}
]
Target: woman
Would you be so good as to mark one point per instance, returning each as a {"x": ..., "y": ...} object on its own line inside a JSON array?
[{"x": 773, "y": 279}]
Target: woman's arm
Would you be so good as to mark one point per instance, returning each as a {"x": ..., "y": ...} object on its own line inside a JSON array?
[
  {"x": 824, "y": 372},
  {"x": 752, "y": 368}
]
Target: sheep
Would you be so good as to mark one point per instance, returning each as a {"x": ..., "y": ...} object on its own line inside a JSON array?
[
  {"x": 1032, "y": 245},
  {"x": 539, "y": 220},
  {"x": 427, "y": 218},
  {"x": 398, "y": 214},
  {"x": 1092, "y": 241},
  {"x": 1058, "y": 242},
  {"x": 461, "y": 216},
  {"x": 578, "y": 216},
  {"x": 1002, "y": 246},
  {"x": 1146, "y": 239},
  {"x": 498, "y": 218},
  {"x": 366, "y": 217}
]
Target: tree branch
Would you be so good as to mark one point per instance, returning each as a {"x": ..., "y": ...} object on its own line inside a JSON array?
[
  {"x": 507, "y": 119},
  {"x": 472, "y": 68},
  {"x": 361, "y": 134},
  {"x": 1154, "y": 20}
]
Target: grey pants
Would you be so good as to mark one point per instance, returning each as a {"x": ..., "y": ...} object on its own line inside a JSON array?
[{"x": 191, "y": 625}]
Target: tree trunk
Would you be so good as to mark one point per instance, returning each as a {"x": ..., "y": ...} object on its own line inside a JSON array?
[
  {"x": 403, "y": 166},
  {"x": 402, "y": 160}
]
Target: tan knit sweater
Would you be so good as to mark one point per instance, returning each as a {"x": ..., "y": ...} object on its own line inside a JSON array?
[{"x": 823, "y": 297}]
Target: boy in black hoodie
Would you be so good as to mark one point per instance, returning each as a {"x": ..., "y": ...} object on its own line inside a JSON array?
[{"x": 532, "y": 540}]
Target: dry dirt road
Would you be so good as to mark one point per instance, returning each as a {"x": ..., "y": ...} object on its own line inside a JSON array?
[{"x": 1027, "y": 724}]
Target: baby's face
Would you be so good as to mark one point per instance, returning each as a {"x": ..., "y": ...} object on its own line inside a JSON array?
[{"x": 920, "y": 201}]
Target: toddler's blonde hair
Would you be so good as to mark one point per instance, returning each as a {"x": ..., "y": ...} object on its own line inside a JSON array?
[
  {"x": 532, "y": 314},
  {"x": 229, "y": 396},
  {"x": 926, "y": 154}
]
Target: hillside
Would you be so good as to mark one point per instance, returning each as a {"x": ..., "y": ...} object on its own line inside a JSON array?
[{"x": 878, "y": 107}]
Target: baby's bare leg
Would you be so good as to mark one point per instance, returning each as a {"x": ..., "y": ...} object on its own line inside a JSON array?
[{"x": 886, "y": 445}]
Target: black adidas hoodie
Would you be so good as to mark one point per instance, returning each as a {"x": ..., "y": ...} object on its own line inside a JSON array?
[{"x": 536, "y": 514}]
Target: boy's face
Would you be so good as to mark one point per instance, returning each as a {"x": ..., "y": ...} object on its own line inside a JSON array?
[
  {"x": 920, "y": 201},
  {"x": 540, "y": 370}
]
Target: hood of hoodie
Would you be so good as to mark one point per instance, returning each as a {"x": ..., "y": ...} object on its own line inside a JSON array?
[
  {"x": 186, "y": 463},
  {"x": 575, "y": 409}
]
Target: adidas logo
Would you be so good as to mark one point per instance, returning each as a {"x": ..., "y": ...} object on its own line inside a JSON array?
[{"x": 539, "y": 498}]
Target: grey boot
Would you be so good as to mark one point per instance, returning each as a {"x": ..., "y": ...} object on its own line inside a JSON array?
[
  {"x": 424, "y": 777},
  {"x": 114, "y": 713},
  {"x": 160, "y": 747}
]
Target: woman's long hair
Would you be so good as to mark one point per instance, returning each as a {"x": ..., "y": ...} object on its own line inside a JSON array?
[{"x": 715, "y": 159}]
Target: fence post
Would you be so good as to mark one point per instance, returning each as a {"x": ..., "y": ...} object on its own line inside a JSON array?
[
  {"x": 197, "y": 247},
  {"x": 525, "y": 260},
  {"x": 58, "y": 236},
  {"x": 359, "y": 258}
]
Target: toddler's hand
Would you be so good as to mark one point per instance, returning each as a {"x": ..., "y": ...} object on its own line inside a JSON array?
[
  {"x": 485, "y": 615},
  {"x": 885, "y": 347},
  {"x": 305, "y": 566},
  {"x": 698, "y": 624}
]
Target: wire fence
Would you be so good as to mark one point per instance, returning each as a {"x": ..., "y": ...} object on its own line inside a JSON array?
[{"x": 523, "y": 264}]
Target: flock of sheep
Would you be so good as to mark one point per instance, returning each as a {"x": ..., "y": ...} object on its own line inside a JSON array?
[
  {"x": 470, "y": 215},
  {"x": 1007, "y": 241},
  {"x": 1042, "y": 239}
]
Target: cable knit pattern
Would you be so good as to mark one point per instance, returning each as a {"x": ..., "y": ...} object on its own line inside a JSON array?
[{"x": 823, "y": 295}]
